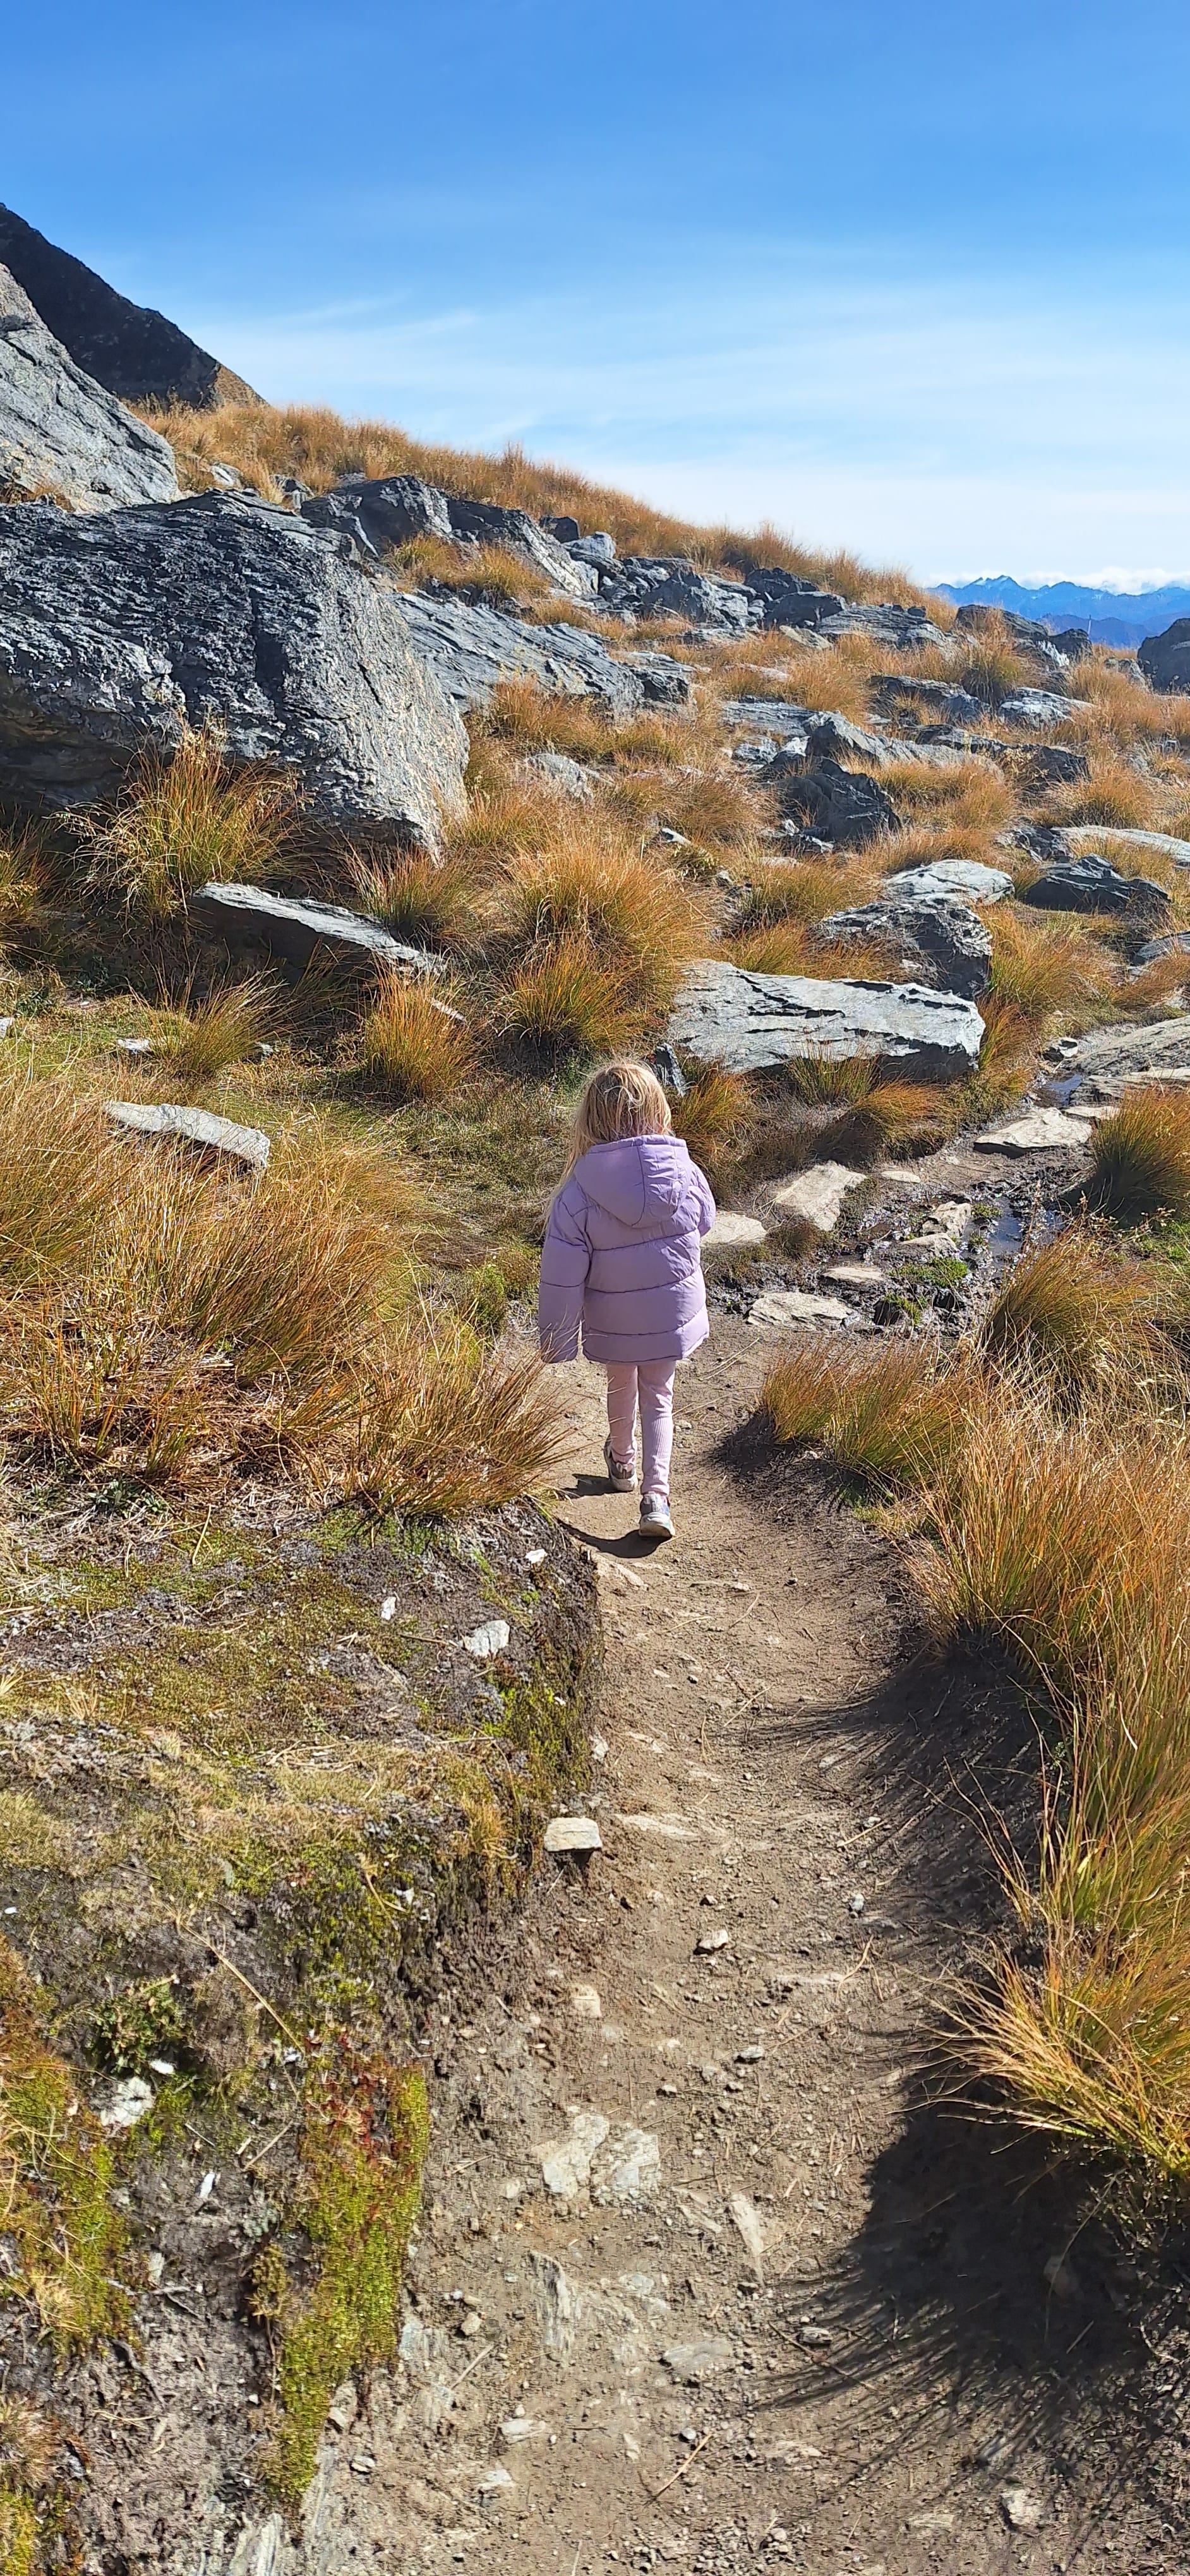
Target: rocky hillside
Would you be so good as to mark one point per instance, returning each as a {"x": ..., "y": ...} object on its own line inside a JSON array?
[{"x": 354, "y": 796}]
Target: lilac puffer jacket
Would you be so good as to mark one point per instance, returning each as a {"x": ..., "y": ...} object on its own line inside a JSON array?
[{"x": 622, "y": 1255}]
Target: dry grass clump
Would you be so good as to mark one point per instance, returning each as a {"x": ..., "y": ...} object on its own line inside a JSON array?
[
  {"x": 713, "y": 808},
  {"x": 1114, "y": 792},
  {"x": 427, "y": 902},
  {"x": 316, "y": 447},
  {"x": 492, "y": 574},
  {"x": 1042, "y": 968},
  {"x": 801, "y": 891},
  {"x": 1123, "y": 709},
  {"x": 894, "y": 1415},
  {"x": 198, "y": 1039},
  {"x": 1140, "y": 1156},
  {"x": 24, "y": 870},
  {"x": 788, "y": 948},
  {"x": 1074, "y": 1310},
  {"x": 972, "y": 797},
  {"x": 634, "y": 915},
  {"x": 561, "y": 998},
  {"x": 413, "y": 1043},
  {"x": 440, "y": 1427},
  {"x": 534, "y": 719},
  {"x": 185, "y": 820},
  {"x": 879, "y": 1112},
  {"x": 58, "y": 1173},
  {"x": 715, "y": 1115}
]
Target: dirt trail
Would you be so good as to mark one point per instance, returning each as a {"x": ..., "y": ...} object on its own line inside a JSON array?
[{"x": 868, "y": 2367}]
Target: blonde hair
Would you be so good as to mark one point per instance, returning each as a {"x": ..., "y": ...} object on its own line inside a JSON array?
[{"x": 621, "y": 1099}]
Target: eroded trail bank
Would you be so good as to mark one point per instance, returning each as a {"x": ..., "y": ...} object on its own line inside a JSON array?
[{"x": 697, "y": 2282}]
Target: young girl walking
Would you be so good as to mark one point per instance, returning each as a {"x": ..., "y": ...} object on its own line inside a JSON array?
[{"x": 622, "y": 1256}]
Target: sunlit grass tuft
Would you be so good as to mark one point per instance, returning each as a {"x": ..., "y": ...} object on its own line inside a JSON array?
[
  {"x": 1074, "y": 1310},
  {"x": 1140, "y": 1156},
  {"x": 184, "y": 821},
  {"x": 413, "y": 1043}
]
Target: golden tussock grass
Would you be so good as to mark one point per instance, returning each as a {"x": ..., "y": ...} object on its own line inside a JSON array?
[
  {"x": 492, "y": 574},
  {"x": 789, "y": 948},
  {"x": 1044, "y": 968},
  {"x": 973, "y": 796},
  {"x": 1113, "y": 793},
  {"x": 895, "y": 1414},
  {"x": 427, "y": 902},
  {"x": 1075, "y": 1310},
  {"x": 531, "y": 719},
  {"x": 413, "y": 1043},
  {"x": 713, "y": 808},
  {"x": 633, "y": 912},
  {"x": 187, "y": 819},
  {"x": 561, "y": 998},
  {"x": 802, "y": 891},
  {"x": 316, "y": 446},
  {"x": 714, "y": 1116},
  {"x": 1140, "y": 1156},
  {"x": 194, "y": 1040},
  {"x": 1121, "y": 709},
  {"x": 920, "y": 845},
  {"x": 441, "y": 1427}
]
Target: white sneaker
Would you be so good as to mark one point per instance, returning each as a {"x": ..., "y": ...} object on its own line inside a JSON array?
[
  {"x": 621, "y": 1479},
  {"x": 656, "y": 1519}
]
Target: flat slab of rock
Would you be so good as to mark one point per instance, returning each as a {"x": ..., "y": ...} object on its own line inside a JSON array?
[
  {"x": 754, "y": 1023},
  {"x": 729, "y": 1229},
  {"x": 118, "y": 631},
  {"x": 1165, "y": 845},
  {"x": 780, "y": 1307},
  {"x": 776, "y": 716},
  {"x": 1092, "y": 884},
  {"x": 854, "y": 1274},
  {"x": 818, "y": 1195},
  {"x": 572, "y": 1834},
  {"x": 906, "y": 629},
  {"x": 198, "y": 1127},
  {"x": 1037, "y": 708},
  {"x": 294, "y": 929},
  {"x": 691, "y": 2363},
  {"x": 470, "y": 650},
  {"x": 966, "y": 878},
  {"x": 1040, "y": 1131},
  {"x": 936, "y": 934},
  {"x": 61, "y": 433},
  {"x": 1131, "y": 1054}
]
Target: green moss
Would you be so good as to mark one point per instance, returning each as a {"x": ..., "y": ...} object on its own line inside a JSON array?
[
  {"x": 142, "y": 2021},
  {"x": 18, "y": 2533},
  {"x": 364, "y": 2138},
  {"x": 946, "y": 1271},
  {"x": 57, "y": 2172}
]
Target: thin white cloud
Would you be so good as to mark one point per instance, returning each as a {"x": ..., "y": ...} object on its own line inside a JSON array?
[{"x": 955, "y": 426}]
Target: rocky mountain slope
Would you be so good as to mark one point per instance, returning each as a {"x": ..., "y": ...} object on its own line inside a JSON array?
[{"x": 352, "y": 798}]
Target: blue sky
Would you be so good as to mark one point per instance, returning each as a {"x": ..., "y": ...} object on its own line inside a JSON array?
[{"x": 895, "y": 274}]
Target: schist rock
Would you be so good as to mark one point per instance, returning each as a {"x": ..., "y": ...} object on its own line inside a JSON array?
[
  {"x": 948, "y": 943},
  {"x": 470, "y": 650},
  {"x": 128, "y": 348},
  {"x": 756, "y": 1023},
  {"x": 837, "y": 804},
  {"x": 1093, "y": 885},
  {"x": 1165, "y": 658},
  {"x": 61, "y": 434},
  {"x": 293, "y": 928},
  {"x": 119, "y": 631}
]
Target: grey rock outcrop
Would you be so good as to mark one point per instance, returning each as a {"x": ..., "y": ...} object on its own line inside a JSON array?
[
  {"x": 61, "y": 434},
  {"x": 666, "y": 683},
  {"x": 670, "y": 585},
  {"x": 777, "y": 717},
  {"x": 484, "y": 523},
  {"x": 840, "y": 805},
  {"x": 293, "y": 928},
  {"x": 1164, "y": 845},
  {"x": 790, "y": 600},
  {"x": 1052, "y": 764},
  {"x": 1119, "y": 1055},
  {"x": 954, "y": 705},
  {"x": 967, "y": 878},
  {"x": 470, "y": 650},
  {"x": 1093, "y": 885},
  {"x": 947, "y": 943},
  {"x": 128, "y": 348},
  {"x": 118, "y": 631},
  {"x": 1165, "y": 658},
  {"x": 906, "y": 629},
  {"x": 386, "y": 510},
  {"x": 1036, "y": 708},
  {"x": 756, "y": 1023}
]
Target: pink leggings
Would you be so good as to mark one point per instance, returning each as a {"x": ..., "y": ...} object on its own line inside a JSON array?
[{"x": 653, "y": 1382}]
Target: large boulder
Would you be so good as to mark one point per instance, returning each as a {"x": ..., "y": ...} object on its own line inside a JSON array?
[
  {"x": 470, "y": 650},
  {"x": 61, "y": 435},
  {"x": 947, "y": 944},
  {"x": 671, "y": 586},
  {"x": 484, "y": 523},
  {"x": 380, "y": 511},
  {"x": 836, "y": 804},
  {"x": 1165, "y": 658},
  {"x": 789, "y": 600},
  {"x": 908, "y": 630},
  {"x": 1093, "y": 885},
  {"x": 119, "y": 631},
  {"x": 1037, "y": 708},
  {"x": 128, "y": 348},
  {"x": 756, "y": 1023}
]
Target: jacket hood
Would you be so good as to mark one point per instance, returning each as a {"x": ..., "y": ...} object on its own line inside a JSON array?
[{"x": 635, "y": 1178}]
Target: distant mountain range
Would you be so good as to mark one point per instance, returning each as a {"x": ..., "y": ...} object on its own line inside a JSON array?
[{"x": 1108, "y": 616}]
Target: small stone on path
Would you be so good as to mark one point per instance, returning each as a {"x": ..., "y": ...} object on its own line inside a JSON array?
[
  {"x": 693, "y": 2362},
  {"x": 491, "y": 1639},
  {"x": 572, "y": 1834},
  {"x": 1022, "y": 2510},
  {"x": 1040, "y": 1131},
  {"x": 782, "y": 1306},
  {"x": 818, "y": 1195},
  {"x": 729, "y": 1228}
]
